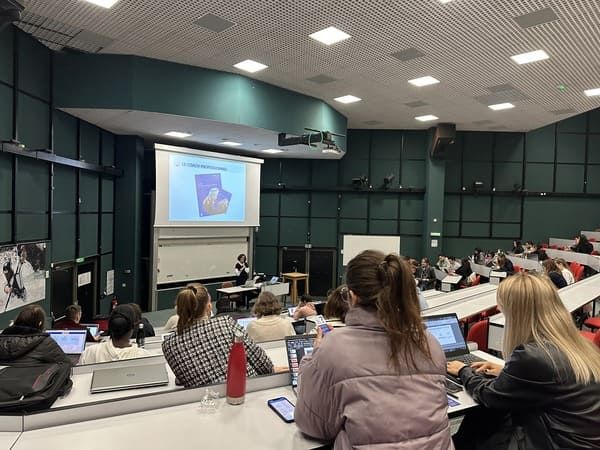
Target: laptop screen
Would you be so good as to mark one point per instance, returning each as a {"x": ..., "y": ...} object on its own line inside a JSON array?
[
  {"x": 275, "y": 280},
  {"x": 92, "y": 328},
  {"x": 292, "y": 310},
  {"x": 72, "y": 342},
  {"x": 244, "y": 321},
  {"x": 446, "y": 329},
  {"x": 297, "y": 348}
]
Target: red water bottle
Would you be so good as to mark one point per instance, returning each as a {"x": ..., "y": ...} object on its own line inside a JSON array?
[{"x": 236, "y": 372}]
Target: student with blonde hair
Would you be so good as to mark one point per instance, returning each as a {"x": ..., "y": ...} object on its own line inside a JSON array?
[
  {"x": 547, "y": 396},
  {"x": 269, "y": 325}
]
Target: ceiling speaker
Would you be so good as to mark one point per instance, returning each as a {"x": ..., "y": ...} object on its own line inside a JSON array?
[{"x": 442, "y": 137}]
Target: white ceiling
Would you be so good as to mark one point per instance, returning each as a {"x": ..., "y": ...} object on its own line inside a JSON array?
[{"x": 467, "y": 45}]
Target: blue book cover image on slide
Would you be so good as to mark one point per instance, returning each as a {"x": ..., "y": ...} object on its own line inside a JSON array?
[{"x": 212, "y": 198}]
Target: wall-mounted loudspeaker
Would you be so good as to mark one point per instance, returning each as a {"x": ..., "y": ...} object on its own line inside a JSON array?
[
  {"x": 10, "y": 11},
  {"x": 442, "y": 137}
]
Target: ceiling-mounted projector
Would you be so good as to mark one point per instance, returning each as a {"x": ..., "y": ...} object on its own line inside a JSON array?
[
  {"x": 322, "y": 140},
  {"x": 10, "y": 11}
]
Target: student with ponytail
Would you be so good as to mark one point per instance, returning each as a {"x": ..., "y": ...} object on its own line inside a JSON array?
[
  {"x": 198, "y": 353},
  {"x": 379, "y": 382}
]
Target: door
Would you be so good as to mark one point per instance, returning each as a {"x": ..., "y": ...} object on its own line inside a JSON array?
[
  {"x": 322, "y": 271},
  {"x": 86, "y": 289},
  {"x": 61, "y": 288}
]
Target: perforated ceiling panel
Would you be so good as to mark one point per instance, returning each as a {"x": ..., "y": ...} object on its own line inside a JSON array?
[{"x": 466, "y": 44}]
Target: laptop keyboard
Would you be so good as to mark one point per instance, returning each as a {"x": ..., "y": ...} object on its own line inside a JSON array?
[{"x": 467, "y": 359}]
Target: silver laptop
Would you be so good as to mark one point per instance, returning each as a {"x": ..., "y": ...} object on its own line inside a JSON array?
[{"x": 133, "y": 377}]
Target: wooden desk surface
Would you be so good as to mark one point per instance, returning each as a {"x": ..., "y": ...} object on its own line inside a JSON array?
[{"x": 292, "y": 275}]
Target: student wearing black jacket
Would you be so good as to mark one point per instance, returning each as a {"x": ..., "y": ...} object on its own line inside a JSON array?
[
  {"x": 582, "y": 245},
  {"x": 505, "y": 265},
  {"x": 547, "y": 395},
  {"x": 554, "y": 273}
]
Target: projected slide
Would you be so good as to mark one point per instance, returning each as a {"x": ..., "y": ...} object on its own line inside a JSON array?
[{"x": 206, "y": 189}]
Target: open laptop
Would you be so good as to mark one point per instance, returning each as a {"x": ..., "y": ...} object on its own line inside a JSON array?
[
  {"x": 93, "y": 328},
  {"x": 292, "y": 310},
  {"x": 133, "y": 377},
  {"x": 446, "y": 329},
  {"x": 297, "y": 348},
  {"x": 274, "y": 280},
  {"x": 244, "y": 321},
  {"x": 72, "y": 342}
]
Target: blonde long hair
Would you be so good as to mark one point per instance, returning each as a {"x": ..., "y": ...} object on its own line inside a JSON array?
[{"x": 535, "y": 314}]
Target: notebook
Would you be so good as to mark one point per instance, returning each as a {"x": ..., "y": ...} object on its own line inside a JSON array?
[
  {"x": 446, "y": 329},
  {"x": 72, "y": 342},
  {"x": 297, "y": 348},
  {"x": 133, "y": 377}
]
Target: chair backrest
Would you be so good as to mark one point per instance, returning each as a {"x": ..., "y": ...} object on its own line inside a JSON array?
[
  {"x": 595, "y": 253},
  {"x": 516, "y": 268},
  {"x": 478, "y": 332},
  {"x": 476, "y": 281},
  {"x": 578, "y": 274},
  {"x": 554, "y": 247},
  {"x": 226, "y": 284},
  {"x": 544, "y": 245},
  {"x": 597, "y": 339},
  {"x": 574, "y": 266}
]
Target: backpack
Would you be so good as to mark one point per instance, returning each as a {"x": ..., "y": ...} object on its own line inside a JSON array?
[{"x": 32, "y": 387}]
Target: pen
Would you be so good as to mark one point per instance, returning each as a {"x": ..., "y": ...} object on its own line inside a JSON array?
[{"x": 452, "y": 395}]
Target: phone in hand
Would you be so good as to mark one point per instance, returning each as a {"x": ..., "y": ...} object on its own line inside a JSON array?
[
  {"x": 322, "y": 324},
  {"x": 283, "y": 408}
]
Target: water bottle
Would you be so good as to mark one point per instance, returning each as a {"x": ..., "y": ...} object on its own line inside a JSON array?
[
  {"x": 140, "y": 338},
  {"x": 236, "y": 372}
]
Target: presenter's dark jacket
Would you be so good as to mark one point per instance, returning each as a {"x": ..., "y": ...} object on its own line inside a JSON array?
[
  {"x": 548, "y": 408},
  {"x": 199, "y": 355},
  {"x": 242, "y": 269},
  {"x": 24, "y": 345}
]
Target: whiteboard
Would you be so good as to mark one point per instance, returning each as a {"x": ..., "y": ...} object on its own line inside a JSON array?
[
  {"x": 196, "y": 259},
  {"x": 354, "y": 244}
]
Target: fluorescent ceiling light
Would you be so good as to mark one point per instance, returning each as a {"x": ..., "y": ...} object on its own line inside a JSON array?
[
  {"x": 103, "y": 3},
  {"x": 501, "y": 106},
  {"x": 347, "y": 99},
  {"x": 426, "y": 118},
  {"x": 592, "y": 92},
  {"x": 250, "y": 66},
  {"x": 177, "y": 134},
  {"x": 230, "y": 143},
  {"x": 330, "y": 36},
  {"x": 524, "y": 58},
  {"x": 445, "y": 1},
  {"x": 423, "y": 81},
  {"x": 273, "y": 150}
]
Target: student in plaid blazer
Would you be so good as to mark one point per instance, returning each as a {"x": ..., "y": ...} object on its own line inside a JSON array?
[{"x": 198, "y": 352}]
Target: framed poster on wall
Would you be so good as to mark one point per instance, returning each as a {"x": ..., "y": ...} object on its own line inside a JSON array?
[{"x": 23, "y": 279}]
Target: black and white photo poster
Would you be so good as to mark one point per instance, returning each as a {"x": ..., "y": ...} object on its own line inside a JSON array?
[{"x": 23, "y": 279}]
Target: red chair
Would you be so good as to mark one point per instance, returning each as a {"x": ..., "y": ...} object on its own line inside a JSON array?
[
  {"x": 544, "y": 245},
  {"x": 476, "y": 281},
  {"x": 592, "y": 337},
  {"x": 574, "y": 266},
  {"x": 595, "y": 253},
  {"x": 517, "y": 268},
  {"x": 592, "y": 239},
  {"x": 478, "y": 332},
  {"x": 578, "y": 274},
  {"x": 592, "y": 323}
]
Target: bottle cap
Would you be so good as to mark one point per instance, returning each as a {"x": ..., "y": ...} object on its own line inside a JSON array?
[{"x": 238, "y": 337}]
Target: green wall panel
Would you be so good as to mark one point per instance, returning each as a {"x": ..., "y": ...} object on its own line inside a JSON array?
[
  {"x": 88, "y": 235},
  {"x": 324, "y": 173},
  {"x": 324, "y": 204},
  {"x": 386, "y": 145},
  {"x": 476, "y": 208},
  {"x": 34, "y": 67},
  {"x": 507, "y": 175},
  {"x": 570, "y": 148},
  {"x": 5, "y": 227},
  {"x": 453, "y": 175},
  {"x": 593, "y": 180},
  {"x": 6, "y": 165},
  {"x": 505, "y": 230},
  {"x": 106, "y": 237},
  {"x": 268, "y": 231},
  {"x": 411, "y": 207},
  {"x": 413, "y": 174},
  {"x": 575, "y": 124},
  {"x": 569, "y": 178},
  {"x": 475, "y": 229},
  {"x": 295, "y": 172},
  {"x": 383, "y": 206},
  {"x": 32, "y": 189},
  {"x": 265, "y": 259},
  {"x": 539, "y": 177},
  {"x": 354, "y": 206},
  {"x": 293, "y": 231},
  {"x": 352, "y": 168},
  {"x": 89, "y": 147},
  {"x": 6, "y": 55},
  {"x": 294, "y": 204},
  {"x": 477, "y": 171},
  {"x": 411, "y": 246},
  {"x": 269, "y": 172},
  {"x": 451, "y": 229},
  {"x": 383, "y": 227},
  {"x": 462, "y": 247},
  {"x": 478, "y": 146},
  {"x": 507, "y": 209},
  {"x": 33, "y": 116},
  {"x": 108, "y": 195},
  {"x": 108, "y": 148},
  {"x": 594, "y": 148},
  {"x": 65, "y": 135},
  {"x": 63, "y": 237},
  {"x": 509, "y": 147},
  {"x": 88, "y": 191},
  {"x": 540, "y": 145},
  {"x": 323, "y": 232},
  {"x": 381, "y": 168},
  {"x": 410, "y": 227},
  {"x": 359, "y": 142},
  {"x": 415, "y": 145},
  {"x": 452, "y": 207},
  {"x": 6, "y": 112},
  {"x": 65, "y": 189},
  {"x": 595, "y": 120},
  {"x": 32, "y": 227},
  {"x": 353, "y": 226},
  {"x": 269, "y": 204}
]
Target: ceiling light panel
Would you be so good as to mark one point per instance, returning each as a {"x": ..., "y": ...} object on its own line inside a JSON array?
[
  {"x": 178, "y": 134},
  {"x": 347, "y": 99},
  {"x": 501, "y": 106},
  {"x": 103, "y": 3},
  {"x": 426, "y": 118},
  {"x": 529, "y": 57},
  {"x": 423, "y": 81},
  {"x": 231, "y": 143},
  {"x": 592, "y": 92},
  {"x": 330, "y": 36},
  {"x": 250, "y": 66},
  {"x": 273, "y": 151}
]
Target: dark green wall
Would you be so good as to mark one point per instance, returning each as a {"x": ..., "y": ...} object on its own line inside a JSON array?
[{"x": 72, "y": 209}]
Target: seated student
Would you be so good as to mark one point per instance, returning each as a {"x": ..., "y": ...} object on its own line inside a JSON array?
[
  {"x": 503, "y": 264},
  {"x": 546, "y": 396},
  {"x": 582, "y": 245},
  {"x": 426, "y": 275},
  {"x": 542, "y": 255},
  {"x": 171, "y": 324},
  {"x": 379, "y": 382},
  {"x": 71, "y": 322},
  {"x": 565, "y": 270},
  {"x": 24, "y": 342},
  {"x": 517, "y": 248},
  {"x": 454, "y": 264},
  {"x": 554, "y": 273},
  {"x": 478, "y": 256},
  {"x": 148, "y": 328},
  {"x": 198, "y": 353},
  {"x": 269, "y": 325},
  {"x": 464, "y": 270},
  {"x": 306, "y": 308},
  {"x": 121, "y": 326},
  {"x": 443, "y": 263},
  {"x": 337, "y": 306}
]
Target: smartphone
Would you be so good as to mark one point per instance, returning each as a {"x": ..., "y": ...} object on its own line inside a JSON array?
[
  {"x": 283, "y": 408},
  {"x": 322, "y": 324}
]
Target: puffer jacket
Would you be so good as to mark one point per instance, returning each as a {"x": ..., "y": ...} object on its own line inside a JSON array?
[
  {"x": 350, "y": 394},
  {"x": 24, "y": 345}
]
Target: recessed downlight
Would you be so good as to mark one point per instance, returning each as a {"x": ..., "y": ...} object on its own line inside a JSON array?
[
  {"x": 103, "y": 3},
  {"x": 529, "y": 57},
  {"x": 423, "y": 81},
  {"x": 330, "y": 36},
  {"x": 273, "y": 151},
  {"x": 178, "y": 134},
  {"x": 426, "y": 118},
  {"x": 501, "y": 106},
  {"x": 347, "y": 99},
  {"x": 230, "y": 143},
  {"x": 250, "y": 66},
  {"x": 592, "y": 92}
]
